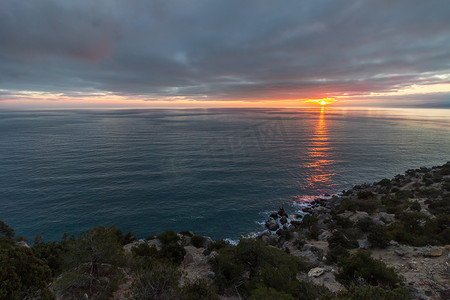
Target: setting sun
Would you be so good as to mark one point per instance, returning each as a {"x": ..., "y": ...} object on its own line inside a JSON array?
[{"x": 321, "y": 101}]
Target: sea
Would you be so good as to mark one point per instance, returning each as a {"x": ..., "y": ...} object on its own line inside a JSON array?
[{"x": 216, "y": 172}]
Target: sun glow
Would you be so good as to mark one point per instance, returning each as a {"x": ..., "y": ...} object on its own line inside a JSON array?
[{"x": 321, "y": 101}]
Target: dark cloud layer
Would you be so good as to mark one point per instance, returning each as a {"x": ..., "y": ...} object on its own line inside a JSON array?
[{"x": 223, "y": 50}]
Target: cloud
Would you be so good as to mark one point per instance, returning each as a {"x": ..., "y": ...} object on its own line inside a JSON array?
[{"x": 223, "y": 50}]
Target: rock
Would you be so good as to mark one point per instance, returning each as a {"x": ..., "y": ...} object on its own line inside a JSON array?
[
  {"x": 22, "y": 244},
  {"x": 358, "y": 215},
  {"x": 207, "y": 241},
  {"x": 310, "y": 257},
  {"x": 324, "y": 235},
  {"x": 274, "y": 215},
  {"x": 282, "y": 212},
  {"x": 307, "y": 209},
  {"x": 400, "y": 252},
  {"x": 295, "y": 223},
  {"x": 385, "y": 217},
  {"x": 194, "y": 256},
  {"x": 316, "y": 272},
  {"x": 265, "y": 239},
  {"x": 271, "y": 224},
  {"x": 434, "y": 252},
  {"x": 346, "y": 214},
  {"x": 212, "y": 256},
  {"x": 329, "y": 281},
  {"x": 263, "y": 233},
  {"x": 156, "y": 243},
  {"x": 283, "y": 220},
  {"x": 393, "y": 243},
  {"x": 211, "y": 275},
  {"x": 129, "y": 246},
  {"x": 364, "y": 244}
]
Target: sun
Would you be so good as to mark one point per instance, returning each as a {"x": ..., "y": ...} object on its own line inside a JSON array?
[{"x": 321, "y": 101}]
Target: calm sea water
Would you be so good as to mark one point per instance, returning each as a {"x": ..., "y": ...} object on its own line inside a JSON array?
[{"x": 216, "y": 172}]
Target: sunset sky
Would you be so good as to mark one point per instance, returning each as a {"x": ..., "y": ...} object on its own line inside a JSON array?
[{"x": 207, "y": 53}]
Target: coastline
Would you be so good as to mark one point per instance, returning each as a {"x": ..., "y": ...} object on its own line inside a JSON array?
[{"x": 398, "y": 226}]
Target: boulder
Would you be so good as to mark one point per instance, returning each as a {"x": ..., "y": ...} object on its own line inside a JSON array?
[
  {"x": 316, "y": 272},
  {"x": 384, "y": 217},
  {"x": 358, "y": 215},
  {"x": 274, "y": 215},
  {"x": 364, "y": 244},
  {"x": 207, "y": 241},
  {"x": 346, "y": 214},
  {"x": 309, "y": 256},
  {"x": 282, "y": 212},
  {"x": 272, "y": 224},
  {"x": 433, "y": 252},
  {"x": 328, "y": 280},
  {"x": 22, "y": 244},
  {"x": 283, "y": 220}
]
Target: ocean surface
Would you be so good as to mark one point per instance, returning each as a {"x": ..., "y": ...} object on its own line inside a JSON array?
[{"x": 217, "y": 172}]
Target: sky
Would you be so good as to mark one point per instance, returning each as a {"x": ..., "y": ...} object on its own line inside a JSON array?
[{"x": 213, "y": 53}]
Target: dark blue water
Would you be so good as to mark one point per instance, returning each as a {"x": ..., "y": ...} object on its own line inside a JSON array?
[{"x": 216, "y": 172}]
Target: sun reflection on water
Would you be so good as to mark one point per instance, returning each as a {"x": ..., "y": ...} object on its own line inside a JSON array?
[{"x": 319, "y": 155}]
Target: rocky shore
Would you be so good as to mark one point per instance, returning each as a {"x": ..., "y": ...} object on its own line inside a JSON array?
[{"x": 385, "y": 240}]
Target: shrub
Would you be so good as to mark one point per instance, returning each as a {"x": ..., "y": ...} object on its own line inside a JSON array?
[
  {"x": 378, "y": 238},
  {"x": 308, "y": 221},
  {"x": 269, "y": 266},
  {"x": 22, "y": 275},
  {"x": 384, "y": 182},
  {"x": 158, "y": 282},
  {"x": 197, "y": 241},
  {"x": 262, "y": 292},
  {"x": 187, "y": 233},
  {"x": 361, "y": 269},
  {"x": 338, "y": 238},
  {"x": 335, "y": 254},
  {"x": 374, "y": 293},
  {"x": 365, "y": 195},
  {"x": 313, "y": 234},
  {"x": 415, "y": 206},
  {"x": 216, "y": 245},
  {"x": 199, "y": 289},
  {"x": 168, "y": 237},
  {"x": 173, "y": 252},
  {"x": 366, "y": 224},
  {"x": 92, "y": 263}
]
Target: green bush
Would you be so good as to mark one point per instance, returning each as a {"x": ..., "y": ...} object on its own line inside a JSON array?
[
  {"x": 198, "y": 241},
  {"x": 199, "y": 289},
  {"x": 335, "y": 254},
  {"x": 173, "y": 252},
  {"x": 93, "y": 264},
  {"x": 384, "y": 182},
  {"x": 366, "y": 224},
  {"x": 262, "y": 292},
  {"x": 250, "y": 263},
  {"x": 374, "y": 293},
  {"x": 338, "y": 238},
  {"x": 308, "y": 221},
  {"x": 22, "y": 275},
  {"x": 216, "y": 245},
  {"x": 415, "y": 206},
  {"x": 168, "y": 237},
  {"x": 186, "y": 233},
  {"x": 158, "y": 282},
  {"x": 378, "y": 237},
  {"x": 365, "y": 195},
  {"x": 361, "y": 269}
]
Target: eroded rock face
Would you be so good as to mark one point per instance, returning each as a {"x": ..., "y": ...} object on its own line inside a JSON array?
[{"x": 196, "y": 265}]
